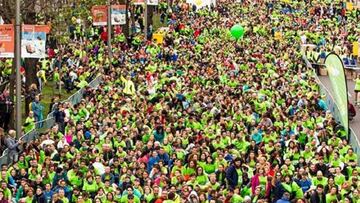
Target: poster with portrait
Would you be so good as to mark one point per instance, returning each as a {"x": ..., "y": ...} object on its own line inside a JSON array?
[
  {"x": 118, "y": 14},
  {"x": 33, "y": 41}
]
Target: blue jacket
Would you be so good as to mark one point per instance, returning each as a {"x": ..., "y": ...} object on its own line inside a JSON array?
[
  {"x": 152, "y": 162},
  {"x": 232, "y": 176},
  {"x": 304, "y": 184},
  {"x": 37, "y": 108},
  {"x": 159, "y": 136},
  {"x": 48, "y": 195},
  {"x": 283, "y": 201},
  {"x": 165, "y": 158},
  {"x": 110, "y": 176},
  {"x": 322, "y": 105}
]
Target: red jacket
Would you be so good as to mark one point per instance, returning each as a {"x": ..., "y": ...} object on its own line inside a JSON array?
[
  {"x": 197, "y": 33},
  {"x": 103, "y": 36},
  {"x": 51, "y": 53}
]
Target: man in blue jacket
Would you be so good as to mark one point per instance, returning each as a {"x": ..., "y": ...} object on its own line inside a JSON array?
[
  {"x": 152, "y": 161},
  {"x": 232, "y": 175},
  {"x": 285, "y": 198},
  {"x": 163, "y": 156}
]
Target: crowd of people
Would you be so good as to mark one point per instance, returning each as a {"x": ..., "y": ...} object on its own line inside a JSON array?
[{"x": 201, "y": 118}]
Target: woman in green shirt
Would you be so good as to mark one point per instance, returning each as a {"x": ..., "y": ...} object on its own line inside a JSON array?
[
  {"x": 189, "y": 170},
  {"x": 339, "y": 177},
  {"x": 209, "y": 166},
  {"x": 332, "y": 196},
  {"x": 90, "y": 185},
  {"x": 201, "y": 177}
]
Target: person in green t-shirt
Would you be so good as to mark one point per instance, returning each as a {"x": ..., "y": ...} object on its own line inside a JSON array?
[
  {"x": 90, "y": 185},
  {"x": 350, "y": 158},
  {"x": 129, "y": 197},
  {"x": 29, "y": 122},
  {"x": 332, "y": 195},
  {"x": 339, "y": 177},
  {"x": 234, "y": 196},
  {"x": 62, "y": 197},
  {"x": 320, "y": 179},
  {"x": 201, "y": 178},
  {"x": 6, "y": 191}
]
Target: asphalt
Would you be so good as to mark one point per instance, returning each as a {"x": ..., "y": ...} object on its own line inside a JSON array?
[{"x": 355, "y": 123}]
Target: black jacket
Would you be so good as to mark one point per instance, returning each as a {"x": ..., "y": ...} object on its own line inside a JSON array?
[
  {"x": 39, "y": 199},
  {"x": 315, "y": 197},
  {"x": 221, "y": 176}
]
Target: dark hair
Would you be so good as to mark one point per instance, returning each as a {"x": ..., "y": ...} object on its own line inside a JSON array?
[
  {"x": 320, "y": 186},
  {"x": 130, "y": 196}
]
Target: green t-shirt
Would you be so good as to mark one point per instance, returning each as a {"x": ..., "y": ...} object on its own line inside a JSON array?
[
  {"x": 240, "y": 173},
  {"x": 236, "y": 198},
  {"x": 329, "y": 198},
  {"x": 202, "y": 179},
  {"x": 187, "y": 171},
  {"x": 323, "y": 181},
  {"x": 149, "y": 197},
  {"x": 124, "y": 199},
  {"x": 7, "y": 193},
  {"x": 74, "y": 179},
  {"x": 65, "y": 200},
  {"x": 209, "y": 168},
  {"x": 339, "y": 179},
  {"x": 93, "y": 187},
  {"x": 28, "y": 199},
  {"x": 350, "y": 158},
  {"x": 29, "y": 124}
]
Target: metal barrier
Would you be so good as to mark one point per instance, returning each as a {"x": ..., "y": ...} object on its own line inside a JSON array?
[
  {"x": 50, "y": 120},
  {"x": 353, "y": 139},
  {"x": 77, "y": 96}
]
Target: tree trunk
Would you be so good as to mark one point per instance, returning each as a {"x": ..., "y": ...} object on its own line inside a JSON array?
[
  {"x": 12, "y": 96},
  {"x": 132, "y": 17},
  {"x": 126, "y": 27},
  {"x": 150, "y": 15},
  {"x": 30, "y": 75},
  {"x": 7, "y": 10},
  {"x": 30, "y": 63}
]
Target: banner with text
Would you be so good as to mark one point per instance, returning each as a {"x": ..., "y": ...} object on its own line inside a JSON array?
[
  {"x": 7, "y": 41},
  {"x": 99, "y": 15}
]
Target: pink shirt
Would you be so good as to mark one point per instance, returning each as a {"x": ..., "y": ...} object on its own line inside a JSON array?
[{"x": 68, "y": 138}]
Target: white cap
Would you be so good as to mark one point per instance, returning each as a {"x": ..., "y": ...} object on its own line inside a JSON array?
[{"x": 247, "y": 198}]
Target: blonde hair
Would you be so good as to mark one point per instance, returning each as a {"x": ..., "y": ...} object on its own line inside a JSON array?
[{"x": 33, "y": 86}]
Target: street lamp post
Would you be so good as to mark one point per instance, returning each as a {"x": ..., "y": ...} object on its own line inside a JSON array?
[
  {"x": 146, "y": 20},
  {"x": 17, "y": 68},
  {"x": 109, "y": 30}
]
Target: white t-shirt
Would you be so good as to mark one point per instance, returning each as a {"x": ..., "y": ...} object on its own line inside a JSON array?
[
  {"x": 99, "y": 167},
  {"x": 303, "y": 39}
]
